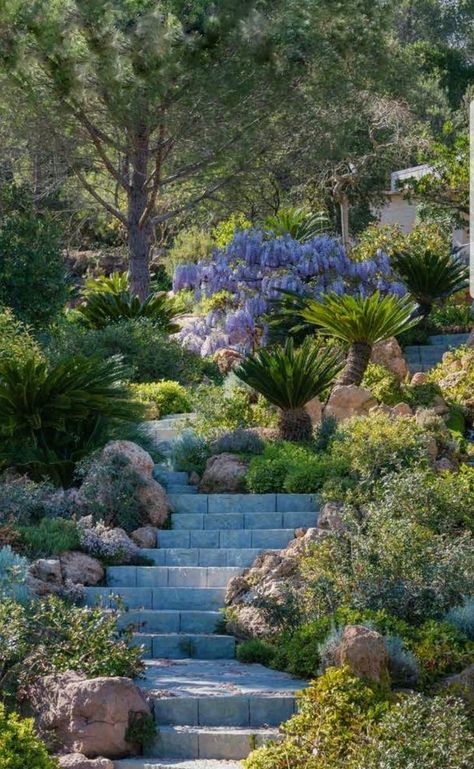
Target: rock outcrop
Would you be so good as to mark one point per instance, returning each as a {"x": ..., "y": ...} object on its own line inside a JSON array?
[
  {"x": 224, "y": 473},
  {"x": 348, "y": 401},
  {"x": 363, "y": 651},
  {"x": 389, "y": 354}
]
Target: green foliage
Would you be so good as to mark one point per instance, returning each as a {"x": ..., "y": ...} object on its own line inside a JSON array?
[
  {"x": 255, "y": 651},
  {"x": 334, "y": 717},
  {"x": 421, "y": 732},
  {"x": 50, "y": 537},
  {"x": 16, "y": 340},
  {"x": 103, "y": 307},
  {"x": 53, "y": 415},
  {"x": 440, "y": 649},
  {"x": 383, "y": 384},
  {"x": 51, "y": 635},
  {"x": 225, "y": 230},
  {"x": 190, "y": 452},
  {"x": 19, "y": 745},
  {"x": 23, "y": 501},
  {"x": 190, "y": 246},
  {"x": 162, "y": 398},
  {"x": 291, "y": 468},
  {"x": 141, "y": 730},
  {"x": 453, "y": 316},
  {"x": 229, "y": 408},
  {"x": 462, "y": 618},
  {"x": 299, "y": 223},
  {"x": 455, "y": 376},
  {"x": 13, "y": 571},
  {"x": 239, "y": 441},
  {"x": 32, "y": 270},
  {"x": 299, "y": 651},
  {"x": 111, "y": 492},
  {"x": 147, "y": 351}
]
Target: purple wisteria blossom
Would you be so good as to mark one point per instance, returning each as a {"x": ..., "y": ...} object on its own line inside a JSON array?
[{"x": 253, "y": 269}]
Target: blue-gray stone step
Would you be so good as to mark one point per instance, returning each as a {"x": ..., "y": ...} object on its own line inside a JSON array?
[
  {"x": 266, "y": 538},
  {"x": 209, "y": 742},
  {"x": 175, "y": 489},
  {"x": 240, "y": 710},
  {"x": 163, "y": 598},
  {"x": 170, "y": 576},
  {"x": 166, "y": 476},
  {"x": 197, "y": 521},
  {"x": 243, "y": 557},
  {"x": 180, "y": 646},
  {"x": 175, "y": 763},
  {"x": 172, "y": 621},
  {"x": 243, "y": 503}
]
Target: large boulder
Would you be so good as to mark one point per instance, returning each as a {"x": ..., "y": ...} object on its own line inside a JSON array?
[
  {"x": 363, "y": 651},
  {"x": 139, "y": 459},
  {"x": 79, "y": 761},
  {"x": 224, "y": 473},
  {"x": 145, "y": 536},
  {"x": 314, "y": 408},
  {"x": 47, "y": 570},
  {"x": 87, "y": 716},
  {"x": 81, "y": 568},
  {"x": 348, "y": 401},
  {"x": 154, "y": 503},
  {"x": 389, "y": 354}
]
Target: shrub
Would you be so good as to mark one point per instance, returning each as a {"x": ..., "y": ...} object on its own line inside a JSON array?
[
  {"x": 19, "y": 745},
  {"x": 110, "y": 492},
  {"x": 162, "y": 398},
  {"x": 383, "y": 384},
  {"x": 256, "y": 650},
  {"x": 23, "y": 501},
  {"x": 190, "y": 246},
  {"x": 52, "y": 416},
  {"x": 403, "y": 666},
  {"x": 222, "y": 409},
  {"x": 32, "y": 269},
  {"x": 298, "y": 651},
  {"x": 56, "y": 636},
  {"x": 462, "y": 617},
  {"x": 141, "y": 730},
  {"x": 189, "y": 452},
  {"x": 13, "y": 572},
  {"x": 335, "y": 714},
  {"x": 49, "y": 537},
  {"x": 239, "y": 441},
  {"x": 16, "y": 339},
  {"x": 109, "y": 545},
  {"x": 440, "y": 649},
  {"x": 455, "y": 376},
  {"x": 453, "y": 316},
  {"x": 286, "y": 467},
  {"x": 375, "y": 445},
  {"x": 148, "y": 353},
  {"x": 419, "y": 732},
  {"x": 313, "y": 474},
  {"x": 324, "y": 433}
]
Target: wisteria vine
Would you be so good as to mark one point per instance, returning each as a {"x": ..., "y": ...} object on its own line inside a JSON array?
[{"x": 252, "y": 269}]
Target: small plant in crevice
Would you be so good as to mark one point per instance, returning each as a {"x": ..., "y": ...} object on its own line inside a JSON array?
[{"x": 141, "y": 731}]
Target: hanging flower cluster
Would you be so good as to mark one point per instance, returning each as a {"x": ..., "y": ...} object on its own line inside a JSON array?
[{"x": 252, "y": 269}]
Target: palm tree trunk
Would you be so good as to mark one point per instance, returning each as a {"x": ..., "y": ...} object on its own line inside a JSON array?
[
  {"x": 295, "y": 425},
  {"x": 358, "y": 359}
]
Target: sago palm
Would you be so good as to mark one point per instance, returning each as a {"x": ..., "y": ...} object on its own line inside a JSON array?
[
  {"x": 430, "y": 276},
  {"x": 289, "y": 377},
  {"x": 51, "y": 416},
  {"x": 360, "y": 322},
  {"x": 299, "y": 223}
]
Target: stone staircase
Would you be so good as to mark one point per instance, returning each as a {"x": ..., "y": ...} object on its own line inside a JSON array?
[
  {"x": 210, "y": 709},
  {"x": 425, "y": 357}
]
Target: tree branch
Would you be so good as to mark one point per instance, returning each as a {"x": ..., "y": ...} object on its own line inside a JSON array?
[
  {"x": 91, "y": 190},
  {"x": 188, "y": 206}
]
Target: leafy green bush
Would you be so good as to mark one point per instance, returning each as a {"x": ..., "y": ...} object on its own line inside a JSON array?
[
  {"x": 256, "y": 650},
  {"x": 462, "y": 618},
  {"x": 162, "y": 398},
  {"x": 239, "y": 441},
  {"x": 190, "y": 246},
  {"x": 454, "y": 316},
  {"x": 50, "y": 537},
  {"x": 23, "y": 501},
  {"x": 16, "y": 340},
  {"x": 141, "y": 730},
  {"x": 299, "y": 651},
  {"x": 32, "y": 269},
  {"x": 51, "y": 635},
  {"x": 221, "y": 409},
  {"x": 383, "y": 384},
  {"x": 19, "y": 745},
  {"x": 440, "y": 649},
  {"x": 419, "y": 732},
  {"x": 455, "y": 376},
  {"x": 189, "y": 452},
  {"x": 286, "y": 467},
  {"x": 52, "y": 416},
  {"x": 148, "y": 353}
]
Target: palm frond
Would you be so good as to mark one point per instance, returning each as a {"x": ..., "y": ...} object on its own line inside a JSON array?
[{"x": 431, "y": 276}]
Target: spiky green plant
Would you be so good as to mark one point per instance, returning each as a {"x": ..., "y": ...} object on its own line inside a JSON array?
[
  {"x": 289, "y": 377},
  {"x": 114, "y": 284},
  {"x": 300, "y": 223},
  {"x": 52, "y": 416},
  {"x": 104, "y": 307},
  {"x": 360, "y": 322},
  {"x": 430, "y": 276}
]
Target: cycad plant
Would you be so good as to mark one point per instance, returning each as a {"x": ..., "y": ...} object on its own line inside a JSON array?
[
  {"x": 52, "y": 416},
  {"x": 108, "y": 300},
  {"x": 430, "y": 276},
  {"x": 359, "y": 322},
  {"x": 299, "y": 223},
  {"x": 289, "y": 377}
]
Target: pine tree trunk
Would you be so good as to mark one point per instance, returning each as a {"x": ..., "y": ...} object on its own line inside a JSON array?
[
  {"x": 295, "y": 425},
  {"x": 358, "y": 359},
  {"x": 139, "y": 232}
]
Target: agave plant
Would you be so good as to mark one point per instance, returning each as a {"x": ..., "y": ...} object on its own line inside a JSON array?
[
  {"x": 50, "y": 417},
  {"x": 289, "y": 377},
  {"x": 299, "y": 223},
  {"x": 430, "y": 276},
  {"x": 360, "y": 322},
  {"x": 104, "y": 307}
]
